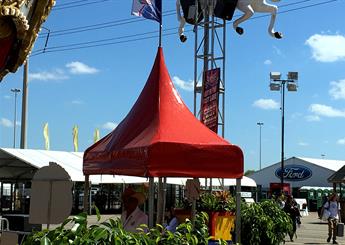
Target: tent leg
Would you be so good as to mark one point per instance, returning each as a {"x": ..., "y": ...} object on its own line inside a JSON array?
[
  {"x": 164, "y": 196},
  {"x": 86, "y": 194},
  {"x": 1, "y": 193},
  {"x": 159, "y": 202},
  {"x": 151, "y": 200},
  {"x": 238, "y": 211}
]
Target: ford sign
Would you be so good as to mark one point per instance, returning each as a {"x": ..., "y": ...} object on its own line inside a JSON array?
[{"x": 294, "y": 173}]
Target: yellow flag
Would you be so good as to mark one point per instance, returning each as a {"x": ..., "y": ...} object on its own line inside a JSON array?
[
  {"x": 46, "y": 136},
  {"x": 96, "y": 135},
  {"x": 75, "y": 137}
]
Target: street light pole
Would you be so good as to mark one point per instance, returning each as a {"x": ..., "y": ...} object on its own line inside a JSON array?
[
  {"x": 260, "y": 125},
  {"x": 282, "y": 140},
  {"x": 15, "y": 91},
  {"x": 278, "y": 84}
]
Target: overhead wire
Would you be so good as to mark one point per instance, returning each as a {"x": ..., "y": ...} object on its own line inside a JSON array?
[
  {"x": 70, "y": 5},
  {"x": 111, "y": 41},
  {"x": 125, "y": 21},
  {"x": 99, "y": 26}
]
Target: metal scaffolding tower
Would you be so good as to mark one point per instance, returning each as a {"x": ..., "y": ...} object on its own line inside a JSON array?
[{"x": 209, "y": 53}]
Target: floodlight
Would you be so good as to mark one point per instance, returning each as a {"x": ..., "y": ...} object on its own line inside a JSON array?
[
  {"x": 275, "y": 75},
  {"x": 198, "y": 88},
  {"x": 291, "y": 86},
  {"x": 274, "y": 86},
  {"x": 292, "y": 75}
]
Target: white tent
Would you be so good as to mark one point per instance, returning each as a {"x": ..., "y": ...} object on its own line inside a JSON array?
[{"x": 22, "y": 164}]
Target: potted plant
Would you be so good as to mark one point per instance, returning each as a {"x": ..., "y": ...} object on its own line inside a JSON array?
[{"x": 220, "y": 206}]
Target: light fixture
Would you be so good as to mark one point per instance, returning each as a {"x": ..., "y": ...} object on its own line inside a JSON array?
[
  {"x": 292, "y": 87},
  {"x": 274, "y": 86},
  {"x": 275, "y": 75},
  {"x": 292, "y": 75}
]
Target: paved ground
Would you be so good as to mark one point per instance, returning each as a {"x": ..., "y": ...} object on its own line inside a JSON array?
[{"x": 313, "y": 231}]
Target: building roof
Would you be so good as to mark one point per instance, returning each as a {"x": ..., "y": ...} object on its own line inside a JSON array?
[
  {"x": 334, "y": 165},
  {"x": 338, "y": 177}
]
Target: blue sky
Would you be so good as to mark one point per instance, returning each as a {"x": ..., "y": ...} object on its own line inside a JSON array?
[{"x": 96, "y": 87}]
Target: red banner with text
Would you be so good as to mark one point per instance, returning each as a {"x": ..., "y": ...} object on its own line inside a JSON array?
[{"x": 210, "y": 98}]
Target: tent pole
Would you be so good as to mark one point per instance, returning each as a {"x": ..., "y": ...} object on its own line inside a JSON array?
[
  {"x": 164, "y": 196},
  {"x": 86, "y": 193},
  {"x": 159, "y": 202},
  {"x": 194, "y": 208},
  {"x": 1, "y": 193},
  {"x": 151, "y": 200},
  {"x": 238, "y": 211}
]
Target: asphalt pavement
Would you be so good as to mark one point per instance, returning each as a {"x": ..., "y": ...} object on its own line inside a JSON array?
[{"x": 312, "y": 231}]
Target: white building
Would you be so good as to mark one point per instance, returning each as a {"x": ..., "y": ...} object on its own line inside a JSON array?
[{"x": 298, "y": 172}]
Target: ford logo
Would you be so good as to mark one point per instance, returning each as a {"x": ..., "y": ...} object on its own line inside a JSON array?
[{"x": 294, "y": 173}]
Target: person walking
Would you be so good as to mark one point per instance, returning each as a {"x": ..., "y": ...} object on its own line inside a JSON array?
[
  {"x": 291, "y": 208},
  {"x": 333, "y": 207}
]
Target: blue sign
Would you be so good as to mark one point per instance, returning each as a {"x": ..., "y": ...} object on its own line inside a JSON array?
[{"x": 294, "y": 173}]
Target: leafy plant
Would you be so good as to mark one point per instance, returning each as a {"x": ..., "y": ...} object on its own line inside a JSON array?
[
  {"x": 112, "y": 232},
  {"x": 216, "y": 201},
  {"x": 264, "y": 223}
]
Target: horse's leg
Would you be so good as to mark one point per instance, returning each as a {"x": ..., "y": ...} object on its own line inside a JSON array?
[
  {"x": 183, "y": 38},
  {"x": 263, "y": 7},
  {"x": 245, "y": 7},
  {"x": 182, "y": 21}
]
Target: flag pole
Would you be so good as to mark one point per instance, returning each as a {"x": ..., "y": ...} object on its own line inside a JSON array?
[
  {"x": 160, "y": 34},
  {"x": 160, "y": 24}
]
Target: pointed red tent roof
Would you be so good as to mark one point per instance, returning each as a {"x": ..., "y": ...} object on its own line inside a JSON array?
[{"x": 161, "y": 137}]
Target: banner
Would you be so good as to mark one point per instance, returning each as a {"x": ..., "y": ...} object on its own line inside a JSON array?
[
  {"x": 210, "y": 99},
  {"x": 46, "y": 137},
  {"x": 96, "y": 135},
  {"x": 149, "y": 9},
  {"x": 75, "y": 138}
]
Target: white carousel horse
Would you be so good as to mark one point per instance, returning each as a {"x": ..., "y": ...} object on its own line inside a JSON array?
[
  {"x": 182, "y": 22},
  {"x": 248, "y": 7}
]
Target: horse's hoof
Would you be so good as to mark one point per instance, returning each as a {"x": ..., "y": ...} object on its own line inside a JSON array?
[
  {"x": 278, "y": 35},
  {"x": 183, "y": 38},
  {"x": 239, "y": 30}
]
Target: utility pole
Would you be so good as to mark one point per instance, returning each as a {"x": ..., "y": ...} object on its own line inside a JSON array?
[
  {"x": 24, "y": 105},
  {"x": 15, "y": 91}
]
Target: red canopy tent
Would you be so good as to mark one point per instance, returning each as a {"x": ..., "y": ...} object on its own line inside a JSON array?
[{"x": 161, "y": 137}]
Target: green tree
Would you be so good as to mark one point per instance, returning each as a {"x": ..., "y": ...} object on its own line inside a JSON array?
[{"x": 249, "y": 172}]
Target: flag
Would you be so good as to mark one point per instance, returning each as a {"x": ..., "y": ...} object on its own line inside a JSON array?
[
  {"x": 149, "y": 9},
  {"x": 96, "y": 135},
  {"x": 75, "y": 138},
  {"x": 46, "y": 136}
]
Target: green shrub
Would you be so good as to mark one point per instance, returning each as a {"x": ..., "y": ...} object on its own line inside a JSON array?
[
  {"x": 264, "y": 223},
  {"x": 111, "y": 232}
]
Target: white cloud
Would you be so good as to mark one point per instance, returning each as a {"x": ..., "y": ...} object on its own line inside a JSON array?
[
  {"x": 266, "y": 104},
  {"x": 109, "y": 125},
  {"x": 56, "y": 75},
  {"x": 303, "y": 144},
  {"x": 337, "y": 90},
  {"x": 6, "y": 123},
  {"x": 327, "y": 48},
  {"x": 77, "y": 67},
  {"x": 341, "y": 141},
  {"x": 188, "y": 86},
  {"x": 326, "y": 111},
  {"x": 77, "y": 102},
  {"x": 7, "y": 97},
  {"x": 312, "y": 118},
  {"x": 268, "y": 62}
]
